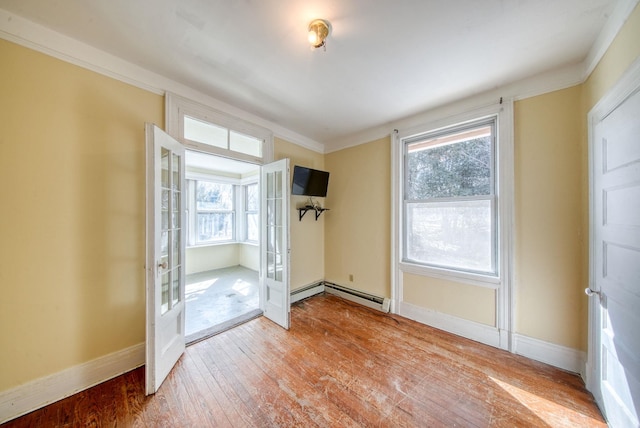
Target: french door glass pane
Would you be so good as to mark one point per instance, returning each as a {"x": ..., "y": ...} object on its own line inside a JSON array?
[
  {"x": 270, "y": 185},
  {"x": 164, "y": 307},
  {"x": 278, "y": 184},
  {"x": 175, "y": 288},
  {"x": 452, "y": 234},
  {"x": 164, "y": 172}
]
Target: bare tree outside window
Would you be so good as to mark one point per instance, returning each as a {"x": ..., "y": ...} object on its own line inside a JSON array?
[{"x": 450, "y": 199}]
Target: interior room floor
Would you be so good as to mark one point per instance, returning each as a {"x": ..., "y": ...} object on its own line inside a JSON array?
[
  {"x": 218, "y": 296},
  {"x": 340, "y": 365}
]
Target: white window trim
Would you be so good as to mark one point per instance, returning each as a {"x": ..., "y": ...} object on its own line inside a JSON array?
[
  {"x": 176, "y": 107},
  {"x": 239, "y": 210},
  {"x": 504, "y": 191},
  {"x": 481, "y": 278},
  {"x": 244, "y": 237},
  {"x": 190, "y": 179}
]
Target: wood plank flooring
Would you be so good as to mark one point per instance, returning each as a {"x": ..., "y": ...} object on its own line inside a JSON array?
[{"x": 340, "y": 365}]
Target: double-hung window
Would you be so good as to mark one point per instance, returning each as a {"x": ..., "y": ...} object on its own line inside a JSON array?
[
  {"x": 214, "y": 204},
  {"x": 251, "y": 201},
  {"x": 450, "y": 209}
]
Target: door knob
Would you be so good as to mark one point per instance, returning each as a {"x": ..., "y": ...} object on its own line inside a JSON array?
[
  {"x": 589, "y": 292},
  {"x": 163, "y": 265}
]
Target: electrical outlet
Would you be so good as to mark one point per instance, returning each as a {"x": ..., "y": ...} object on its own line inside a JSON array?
[{"x": 350, "y": 277}]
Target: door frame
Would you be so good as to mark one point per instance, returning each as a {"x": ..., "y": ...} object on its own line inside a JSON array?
[{"x": 628, "y": 84}]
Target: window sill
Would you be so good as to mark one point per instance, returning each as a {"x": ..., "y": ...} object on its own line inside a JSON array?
[
  {"x": 480, "y": 280},
  {"x": 212, "y": 244},
  {"x": 218, "y": 244}
]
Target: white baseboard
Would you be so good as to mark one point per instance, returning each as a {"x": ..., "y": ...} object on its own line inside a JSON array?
[
  {"x": 33, "y": 395},
  {"x": 471, "y": 330},
  {"x": 569, "y": 359}
]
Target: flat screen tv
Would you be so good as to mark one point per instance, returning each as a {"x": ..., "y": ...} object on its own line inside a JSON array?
[{"x": 309, "y": 182}]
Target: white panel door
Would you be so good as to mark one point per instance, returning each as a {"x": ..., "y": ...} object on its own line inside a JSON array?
[
  {"x": 165, "y": 256},
  {"x": 274, "y": 248},
  {"x": 615, "y": 277}
]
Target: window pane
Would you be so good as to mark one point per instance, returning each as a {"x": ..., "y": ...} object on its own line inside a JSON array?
[
  {"x": 204, "y": 132},
  {"x": 457, "y": 164},
  {"x": 245, "y": 144},
  {"x": 252, "y": 227},
  {"x": 252, "y": 197},
  {"x": 215, "y": 227},
  {"x": 453, "y": 235},
  {"x": 214, "y": 196}
]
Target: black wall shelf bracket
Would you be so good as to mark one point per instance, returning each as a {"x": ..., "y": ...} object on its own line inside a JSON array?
[{"x": 302, "y": 211}]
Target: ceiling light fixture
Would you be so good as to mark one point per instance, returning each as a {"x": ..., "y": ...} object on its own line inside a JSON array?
[{"x": 319, "y": 30}]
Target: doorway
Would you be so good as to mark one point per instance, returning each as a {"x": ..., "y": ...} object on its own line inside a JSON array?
[{"x": 222, "y": 258}]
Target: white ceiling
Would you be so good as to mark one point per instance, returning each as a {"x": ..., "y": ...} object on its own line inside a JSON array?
[{"x": 385, "y": 60}]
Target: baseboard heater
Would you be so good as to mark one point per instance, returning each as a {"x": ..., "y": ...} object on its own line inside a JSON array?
[
  {"x": 365, "y": 299},
  {"x": 306, "y": 292}
]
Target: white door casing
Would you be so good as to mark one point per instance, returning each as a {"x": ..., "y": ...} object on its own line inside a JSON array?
[
  {"x": 613, "y": 368},
  {"x": 165, "y": 341},
  {"x": 274, "y": 243}
]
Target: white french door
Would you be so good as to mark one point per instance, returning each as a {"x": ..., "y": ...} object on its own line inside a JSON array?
[
  {"x": 614, "y": 372},
  {"x": 165, "y": 255},
  {"x": 274, "y": 243}
]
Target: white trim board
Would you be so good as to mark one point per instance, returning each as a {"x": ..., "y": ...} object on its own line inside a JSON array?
[
  {"x": 569, "y": 359},
  {"x": 34, "y": 36},
  {"x": 565, "y": 358},
  {"x": 23, "y": 32},
  {"x": 38, "y": 393},
  {"x": 469, "y": 329}
]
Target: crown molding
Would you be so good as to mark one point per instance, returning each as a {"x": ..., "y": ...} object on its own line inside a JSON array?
[
  {"x": 612, "y": 27},
  {"x": 539, "y": 84},
  {"x": 24, "y": 32}
]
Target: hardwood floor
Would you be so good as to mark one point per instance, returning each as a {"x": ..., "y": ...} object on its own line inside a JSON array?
[{"x": 340, "y": 365}]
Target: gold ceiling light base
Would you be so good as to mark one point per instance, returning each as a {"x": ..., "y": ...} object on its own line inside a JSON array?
[{"x": 319, "y": 30}]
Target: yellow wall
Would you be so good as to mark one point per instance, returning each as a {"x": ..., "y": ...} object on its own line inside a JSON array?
[
  {"x": 477, "y": 304},
  {"x": 72, "y": 240},
  {"x": 358, "y": 237},
  {"x": 72, "y": 234},
  {"x": 551, "y": 213},
  {"x": 549, "y": 232},
  {"x": 307, "y": 236}
]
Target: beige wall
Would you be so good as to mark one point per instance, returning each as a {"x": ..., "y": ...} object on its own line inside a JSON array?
[
  {"x": 209, "y": 257},
  {"x": 249, "y": 256},
  {"x": 72, "y": 240},
  {"x": 358, "y": 238},
  {"x": 307, "y": 236},
  {"x": 549, "y": 231},
  {"x": 551, "y": 214},
  {"x": 465, "y": 301}
]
